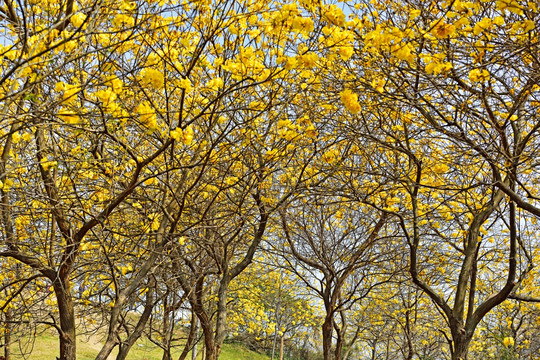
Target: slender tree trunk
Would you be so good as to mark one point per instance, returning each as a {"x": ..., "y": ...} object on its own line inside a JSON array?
[
  {"x": 274, "y": 344},
  {"x": 205, "y": 321},
  {"x": 221, "y": 321},
  {"x": 67, "y": 319},
  {"x": 106, "y": 349},
  {"x": 165, "y": 330},
  {"x": 374, "y": 350},
  {"x": 209, "y": 344},
  {"x": 190, "y": 339},
  {"x": 281, "y": 349},
  {"x": 349, "y": 347},
  {"x": 339, "y": 345},
  {"x": 7, "y": 335},
  {"x": 278, "y": 322},
  {"x": 194, "y": 350},
  {"x": 208, "y": 334},
  {"x": 137, "y": 332},
  {"x": 410, "y": 349}
]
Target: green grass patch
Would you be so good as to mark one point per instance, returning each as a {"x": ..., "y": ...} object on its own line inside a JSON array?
[{"x": 45, "y": 347}]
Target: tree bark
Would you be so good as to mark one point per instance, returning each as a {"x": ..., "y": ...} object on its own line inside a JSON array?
[
  {"x": 281, "y": 349},
  {"x": 206, "y": 324},
  {"x": 209, "y": 340},
  {"x": 166, "y": 325},
  {"x": 190, "y": 340},
  {"x": 67, "y": 319},
  {"x": 221, "y": 321},
  {"x": 339, "y": 345},
  {"x": 327, "y": 329},
  {"x": 194, "y": 350},
  {"x": 461, "y": 345},
  {"x": 137, "y": 332},
  {"x": 7, "y": 335}
]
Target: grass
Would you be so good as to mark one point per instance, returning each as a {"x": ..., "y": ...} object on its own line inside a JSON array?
[
  {"x": 238, "y": 352},
  {"x": 45, "y": 347}
]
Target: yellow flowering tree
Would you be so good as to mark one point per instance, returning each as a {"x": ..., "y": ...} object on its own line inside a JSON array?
[{"x": 458, "y": 127}]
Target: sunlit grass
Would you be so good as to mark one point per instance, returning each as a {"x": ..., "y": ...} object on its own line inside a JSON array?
[{"x": 45, "y": 347}]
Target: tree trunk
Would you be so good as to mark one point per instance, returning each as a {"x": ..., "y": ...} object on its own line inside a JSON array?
[
  {"x": 461, "y": 344},
  {"x": 339, "y": 345},
  {"x": 281, "y": 349},
  {"x": 221, "y": 321},
  {"x": 166, "y": 354},
  {"x": 196, "y": 341},
  {"x": 190, "y": 343},
  {"x": 165, "y": 330},
  {"x": 278, "y": 323},
  {"x": 67, "y": 319},
  {"x": 112, "y": 339},
  {"x": 327, "y": 328},
  {"x": 107, "y": 348},
  {"x": 274, "y": 341},
  {"x": 209, "y": 345},
  {"x": 208, "y": 334},
  {"x": 410, "y": 349},
  {"x": 137, "y": 332},
  {"x": 7, "y": 335}
]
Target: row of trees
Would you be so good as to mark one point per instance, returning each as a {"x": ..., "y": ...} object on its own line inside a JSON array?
[{"x": 266, "y": 171}]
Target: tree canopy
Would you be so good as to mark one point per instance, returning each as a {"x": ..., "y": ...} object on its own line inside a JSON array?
[{"x": 318, "y": 179}]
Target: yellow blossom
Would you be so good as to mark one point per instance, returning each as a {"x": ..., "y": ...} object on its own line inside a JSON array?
[
  {"x": 482, "y": 25},
  {"x": 350, "y": 100},
  {"x": 153, "y": 78},
  {"x": 215, "y": 84},
  {"x": 345, "y": 52},
  {"x": 478, "y": 75},
  {"x": 147, "y": 116},
  {"x": 187, "y": 135},
  {"x": 185, "y": 84},
  {"x": 442, "y": 30},
  {"x": 508, "y": 341},
  {"x": 78, "y": 19},
  {"x": 69, "y": 117}
]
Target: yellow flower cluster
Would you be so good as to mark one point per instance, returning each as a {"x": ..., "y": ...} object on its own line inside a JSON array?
[
  {"x": 69, "y": 117},
  {"x": 350, "y": 100},
  {"x": 215, "y": 84},
  {"x": 334, "y": 15},
  {"x": 435, "y": 64},
  {"x": 185, "y": 136},
  {"x": 147, "y": 116},
  {"x": 121, "y": 20},
  {"x": 510, "y": 5},
  {"x": 302, "y": 24},
  {"x": 442, "y": 30},
  {"x": 478, "y": 75},
  {"x": 69, "y": 91},
  {"x": 186, "y": 85},
  {"x": 508, "y": 341},
  {"x": 307, "y": 60},
  {"x": 482, "y": 25},
  {"x": 152, "y": 77},
  {"x": 78, "y": 19}
]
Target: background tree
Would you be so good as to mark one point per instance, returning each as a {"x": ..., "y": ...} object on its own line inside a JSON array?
[{"x": 335, "y": 249}]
